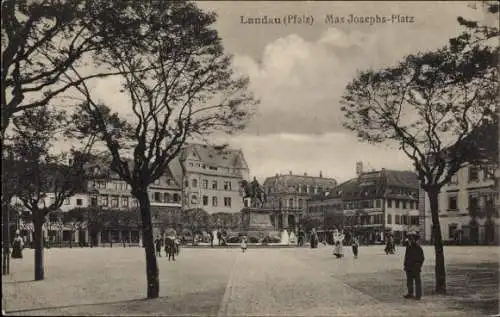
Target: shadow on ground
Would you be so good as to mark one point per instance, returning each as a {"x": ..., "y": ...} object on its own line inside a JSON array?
[
  {"x": 204, "y": 303},
  {"x": 470, "y": 287}
]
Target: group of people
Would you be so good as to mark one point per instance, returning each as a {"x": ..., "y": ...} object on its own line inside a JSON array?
[
  {"x": 338, "y": 250},
  {"x": 172, "y": 245}
]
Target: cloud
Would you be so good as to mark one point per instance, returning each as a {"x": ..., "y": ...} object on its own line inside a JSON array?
[{"x": 300, "y": 82}]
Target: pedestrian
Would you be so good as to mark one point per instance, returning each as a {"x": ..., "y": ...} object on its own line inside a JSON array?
[
  {"x": 17, "y": 247},
  {"x": 314, "y": 239},
  {"x": 338, "y": 250},
  {"x": 158, "y": 243},
  {"x": 414, "y": 258},
  {"x": 177, "y": 245},
  {"x": 355, "y": 246},
  {"x": 211, "y": 239},
  {"x": 243, "y": 244}
]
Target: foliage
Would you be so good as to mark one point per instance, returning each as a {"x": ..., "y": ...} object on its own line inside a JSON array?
[
  {"x": 43, "y": 41},
  {"x": 428, "y": 104}
]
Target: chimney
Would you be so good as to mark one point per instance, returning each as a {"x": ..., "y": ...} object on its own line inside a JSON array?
[
  {"x": 359, "y": 168},
  {"x": 320, "y": 174},
  {"x": 305, "y": 174},
  {"x": 290, "y": 172}
]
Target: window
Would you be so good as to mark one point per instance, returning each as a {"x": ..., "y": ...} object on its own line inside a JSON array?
[
  {"x": 398, "y": 219},
  {"x": 389, "y": 203},
  {"x": 290, "y": 203},
  {"x": 167, "y": 198},
  {"x": 473, "y": 174},
  {"x": 93, "y": 201},
  {"x": 114, "y": 201},
  {"x": 205, "y": 200},
  {"x": 301, "y": 203},
  {"x": 377, "y": 203},
  {"x": 157, "y": 196},
  {"x": 397, "y": 203},
  {"x": 227, "y": 201},
  {"x": 101, "y": 184},
  {"x": 135, "y": 203},
  {"x": 194, "y": 199},
  {"x": 104, "y": 200},
  {"x": 205, "y": 184},
  {"x": 411, "y": 204},
  {"x": 452, "y": 202},
  {"x": 227, "y": 185},
  {"x": 116, "y": 185},
  {"x": 194, "y": 182},
  {"x": 176, "y": 198},
  {"x": 214, "y": 201},
  {"x": 454, "y": 179},
  {"x": 157, "y": 182},
  {"x": 214, "y": 185},
  {"x": 79, "y": 202},
  {"x": 452, "y": 229},
  {"x": 404, "y": 204},
  {"x": 67, "y": 201},
  {"x": 124, "y": 201},
  {"x": 389, "y": 219},
  {"x": 473, "y": 203}
]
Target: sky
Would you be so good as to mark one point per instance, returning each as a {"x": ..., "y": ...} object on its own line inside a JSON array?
[{"x": 299, "y": 72}]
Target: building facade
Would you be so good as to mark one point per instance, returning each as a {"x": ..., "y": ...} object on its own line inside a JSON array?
[
  {"x": 211, "y": 177},
  {"x": 379, "y": 203},
  {"x": 105, "y": 191},
  {"x": 288, "y": 196},
  {"x": 468, "y": 208}
]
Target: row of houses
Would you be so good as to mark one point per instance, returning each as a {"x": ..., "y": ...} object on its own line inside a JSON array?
[
  {"x": 372, "y": 205},
  {"x": 379, "y": 203},
  {"x": 200, "y": 177}
]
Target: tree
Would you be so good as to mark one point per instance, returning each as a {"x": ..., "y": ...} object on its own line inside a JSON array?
[
  {"x": 75, "y": 220},
  {"x": 43, "y": 41},
  {"x": 428, "y": 105},
  {"x": 189, "y": 89},
  {"x": 43, "y": 179}
]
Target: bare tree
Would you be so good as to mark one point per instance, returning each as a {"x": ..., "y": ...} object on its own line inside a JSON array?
[
  {"x": 428, "y": 105},
  {"x": 188, "y": 90},
  {"x": 43, "y": 40}
]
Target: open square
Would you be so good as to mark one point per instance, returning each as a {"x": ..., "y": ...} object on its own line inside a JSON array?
[{"x": 265, "y": 281}]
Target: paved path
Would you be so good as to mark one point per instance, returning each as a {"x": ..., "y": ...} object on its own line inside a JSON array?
[{"x": 260, "y": 282}]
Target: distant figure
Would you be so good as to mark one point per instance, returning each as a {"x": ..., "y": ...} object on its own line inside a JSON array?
[
  {"x": 355, "y": 246},
  {"x": 314, "y": 239},
  {"x": 414, "y": 258},
  {"x": 177, "y": 245},
  {"x": 170, "y": 247},
  {"x": 338, "y": 250},
  {"x": 211, "y": 239},
  {"x": 158, "y": 245},
  {"x": 390, "y": 247},
  {"x": 17, "y": 247},
  {"x": 244, "y": 244},
  {"x": 219, "y": 237}
]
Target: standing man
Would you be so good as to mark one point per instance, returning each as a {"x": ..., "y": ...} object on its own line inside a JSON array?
[{"x": 414, "y": 258}]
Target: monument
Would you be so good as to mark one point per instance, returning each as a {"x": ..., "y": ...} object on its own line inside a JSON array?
[{"x": 255, "y": 219}]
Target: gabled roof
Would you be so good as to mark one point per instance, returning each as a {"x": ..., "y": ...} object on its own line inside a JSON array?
[
  {"x": 376, "y": 184},
  {"x": 287, "y": 181},
  {"x": 215, "y": 156}
]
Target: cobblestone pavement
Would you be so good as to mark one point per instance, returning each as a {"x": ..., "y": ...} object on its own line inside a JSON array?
[{"x": 260, "y": 282}]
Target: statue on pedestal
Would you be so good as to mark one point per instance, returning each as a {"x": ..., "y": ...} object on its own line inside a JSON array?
[{"x": 255, "y": 192}]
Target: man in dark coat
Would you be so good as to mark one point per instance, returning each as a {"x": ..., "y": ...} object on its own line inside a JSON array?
[{"x": 414, "y": 258}]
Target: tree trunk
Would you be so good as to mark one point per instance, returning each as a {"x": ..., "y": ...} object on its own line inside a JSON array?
[
  {"x": 438, "y": 243},
  {"x": 152, "y": 274},
  {"x": 38, "y": 224},
  {"x": 6, "y": 240}
]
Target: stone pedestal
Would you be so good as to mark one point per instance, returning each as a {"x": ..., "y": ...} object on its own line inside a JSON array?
[{"x": 257, "y": 222}]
